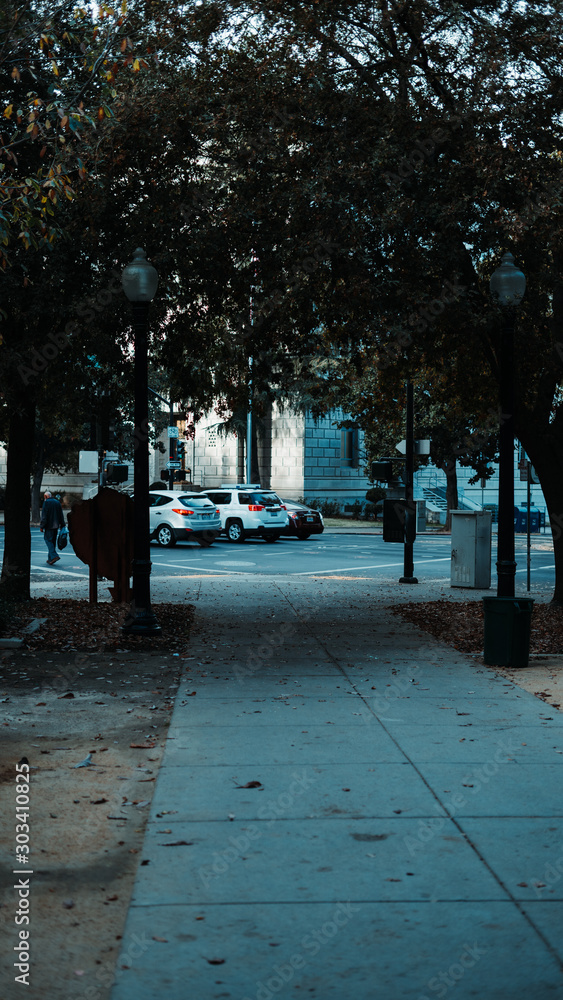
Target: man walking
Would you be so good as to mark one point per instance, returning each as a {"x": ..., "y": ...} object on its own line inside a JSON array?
[{"x": 52, "y": 518}]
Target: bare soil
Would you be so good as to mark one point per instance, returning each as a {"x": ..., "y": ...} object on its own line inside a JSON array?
[{"x": 110, "y": 705}]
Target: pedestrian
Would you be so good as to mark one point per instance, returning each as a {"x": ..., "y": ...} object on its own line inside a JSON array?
[{"x": 52, "y": 518}]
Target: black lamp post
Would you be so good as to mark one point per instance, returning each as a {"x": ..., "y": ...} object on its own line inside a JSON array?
[
  {"x": 139, "y": 281},
  {"x": 508, "y": 285}
]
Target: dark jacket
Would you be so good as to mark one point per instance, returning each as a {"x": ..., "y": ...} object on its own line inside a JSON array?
[{"x": 52, "y": 514}]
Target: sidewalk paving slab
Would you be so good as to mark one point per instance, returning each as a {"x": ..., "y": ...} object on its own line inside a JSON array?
[{"x": 395, "y": 846}]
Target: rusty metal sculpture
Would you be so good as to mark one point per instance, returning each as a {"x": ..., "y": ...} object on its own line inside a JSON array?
[{"x": 101, "y": 534}]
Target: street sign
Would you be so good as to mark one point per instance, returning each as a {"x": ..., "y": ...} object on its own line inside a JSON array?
[
  {"x": 421, "y": 447},
  {"x": 88, "y": 462},
  {"x": 173, "y": 465},
  {"x": 173, "y": 431}
]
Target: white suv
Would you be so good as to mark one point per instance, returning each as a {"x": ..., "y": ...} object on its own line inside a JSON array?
[
  {"x": 247, "y": 510},
  {"x": 183, "y": 517}
]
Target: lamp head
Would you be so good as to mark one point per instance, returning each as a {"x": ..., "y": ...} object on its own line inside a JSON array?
[
  {"x": 507, "y": 283},
  {"x": 139, "y": 279}
]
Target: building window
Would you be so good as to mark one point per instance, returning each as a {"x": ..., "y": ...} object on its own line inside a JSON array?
[
  {"x": 212, "y": 437},
  {"x": 347, "y": 450}
]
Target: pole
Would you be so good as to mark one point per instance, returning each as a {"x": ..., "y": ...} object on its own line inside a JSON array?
[
  {"x": 410, "y": 517},
  {"x": 141, "y": 619},
  {"x": 528, "y": 539},
  {"x": 172, "y": 446},
  {"x": 249, "y": 427},
  {"x": 506, "y": 563}
]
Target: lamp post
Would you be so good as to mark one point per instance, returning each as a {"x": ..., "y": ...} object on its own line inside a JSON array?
[
  {"x": 139, "y": 281},
  {"x": 507, "y": 285}
]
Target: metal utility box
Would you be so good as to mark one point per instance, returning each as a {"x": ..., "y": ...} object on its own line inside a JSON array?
[{"x": 471, "y": 549}]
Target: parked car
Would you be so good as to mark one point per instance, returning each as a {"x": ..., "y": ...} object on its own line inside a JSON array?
[
  {"x": 183, "y": 517},
  {"x": 248, "y": 511},
  {"x": 303, "y": 520}
]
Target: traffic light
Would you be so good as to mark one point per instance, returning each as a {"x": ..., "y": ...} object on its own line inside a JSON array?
[
  {"x": 115, "y": 472},
  {"x": 382, "y": 472},
  {"x": 181, "y": 451}
]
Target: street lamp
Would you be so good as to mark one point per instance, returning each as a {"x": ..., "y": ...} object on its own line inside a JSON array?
[
  {"x": 507, "y": 285},
  {"x": 139, "y": 281}
]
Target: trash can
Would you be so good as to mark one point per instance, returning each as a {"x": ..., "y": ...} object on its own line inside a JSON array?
[{"x": 508, "y": 622}]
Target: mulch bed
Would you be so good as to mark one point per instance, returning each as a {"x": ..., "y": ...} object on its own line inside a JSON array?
[
  {"x": 460, "y": 624},
  {"x": 79, "y": 625}
]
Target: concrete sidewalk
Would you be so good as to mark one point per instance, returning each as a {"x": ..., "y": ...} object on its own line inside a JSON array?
[{"x": 346, "y": 810}]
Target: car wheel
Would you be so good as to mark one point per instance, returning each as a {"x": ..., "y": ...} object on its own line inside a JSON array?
[
  {"x": 234, "y": 531},
  {"x": 272, "y": 536},
  {"x": 165, "y": 536},
  {"x": 303, "y": 535}
]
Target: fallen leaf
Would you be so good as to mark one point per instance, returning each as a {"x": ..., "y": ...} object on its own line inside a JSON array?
[
  {"x": 142, "y": 746},
  {"x": 251, "y": 784}
]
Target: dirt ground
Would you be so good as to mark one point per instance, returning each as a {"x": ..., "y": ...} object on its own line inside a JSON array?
[{"x": 86, "y": 824}]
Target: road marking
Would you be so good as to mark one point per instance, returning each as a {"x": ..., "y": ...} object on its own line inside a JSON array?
[
  {"x": 200, "y": 569},
  {"x": 534, "y": 569},
  {"x": 51, "y": 569},
  {"x": 345, "y": 569}
]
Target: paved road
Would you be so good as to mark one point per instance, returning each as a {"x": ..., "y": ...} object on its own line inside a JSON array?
[{"x": 354, "y": 555}]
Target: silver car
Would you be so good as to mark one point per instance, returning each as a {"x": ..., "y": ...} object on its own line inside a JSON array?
[{"x": 183, "y": 517}]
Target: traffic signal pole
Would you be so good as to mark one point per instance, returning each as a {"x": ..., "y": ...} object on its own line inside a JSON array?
[{"x": 410, "y": 516}]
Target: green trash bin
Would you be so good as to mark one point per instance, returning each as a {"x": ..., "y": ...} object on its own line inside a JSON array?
[{"x": 508, "y": 622}]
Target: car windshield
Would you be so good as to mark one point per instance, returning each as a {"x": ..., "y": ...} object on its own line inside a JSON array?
[
  {"x": 195, "y": 501},
  {"x": 266, "y": 499}
]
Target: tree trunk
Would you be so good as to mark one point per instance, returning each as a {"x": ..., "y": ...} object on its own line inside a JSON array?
[
  {"x": 38, "y": 470},
  {"x": 546, "y": 454},
  {"x": 14, "y": 582},
  {"x": 450, "y": 468}
]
